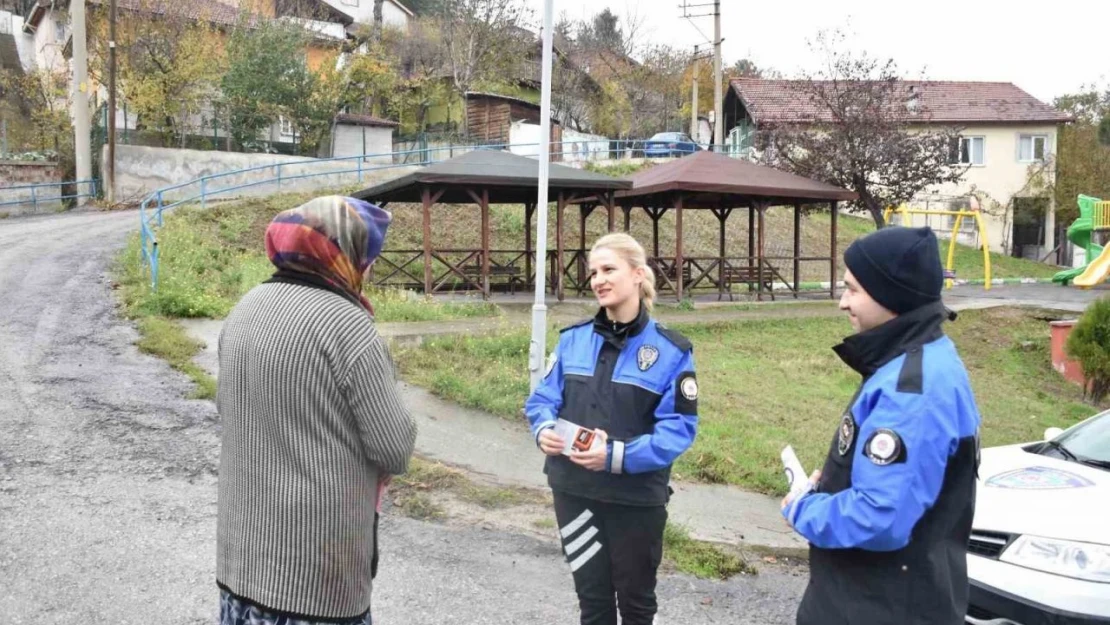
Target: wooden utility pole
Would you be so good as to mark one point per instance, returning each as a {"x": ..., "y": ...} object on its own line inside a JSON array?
[{"x": 110, "y": 186}]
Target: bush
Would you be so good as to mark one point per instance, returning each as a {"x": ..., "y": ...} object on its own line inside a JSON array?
[{"x": 1089, "y": 344}]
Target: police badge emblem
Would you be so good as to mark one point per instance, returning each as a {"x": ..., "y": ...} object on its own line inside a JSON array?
[
  {"x": 847, "y": 434},
  {"x": 689, "y": 388},
  {"x": 646, "y": 357},
  {"x": 884, "y": 447}
]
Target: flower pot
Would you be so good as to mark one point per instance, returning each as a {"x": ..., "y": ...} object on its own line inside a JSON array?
[{"x": 1070, "y": 369}]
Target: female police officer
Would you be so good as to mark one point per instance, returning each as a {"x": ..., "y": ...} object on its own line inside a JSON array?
[{"x": 632, "y": 381}]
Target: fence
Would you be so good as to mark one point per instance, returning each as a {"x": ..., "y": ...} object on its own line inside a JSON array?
[
  {"x": 35, "y": 194},
  {"x": 154, "y": 206}
]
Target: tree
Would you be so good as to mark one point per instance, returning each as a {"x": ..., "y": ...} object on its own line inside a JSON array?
[
  {"x": 869, "y": 135},
  {"x": 746, "y": 68},
  {"x": 612, "y": 114},
  {"x": 41, "y": 95},
  {"x": 483, "y": 40},
  {"x": 603, "y": 31},
  {"x": 266, "y": 74},
  {"x": 378, "y": 19},
  {"x": 168, "y": 66},
  {"x": 1083, "y": 162}
]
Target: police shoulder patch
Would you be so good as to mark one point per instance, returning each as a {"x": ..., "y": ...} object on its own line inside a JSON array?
[
  {"x": 884, "y": 447},
  {"x": 686, "y": 397},
  {"x": 675, "y": 337},
  {"x": 577, "y": 324}
]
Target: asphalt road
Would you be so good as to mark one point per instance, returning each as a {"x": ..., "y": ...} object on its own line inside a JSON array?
[{"x": 108, "y": 478}]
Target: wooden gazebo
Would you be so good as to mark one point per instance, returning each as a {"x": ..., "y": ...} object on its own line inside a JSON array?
[
  {"x": 485, "y": 177},
  {"x": 720, "y": 184}
]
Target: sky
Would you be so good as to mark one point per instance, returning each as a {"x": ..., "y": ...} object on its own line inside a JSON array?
[{"x": 1046, "y": 48}]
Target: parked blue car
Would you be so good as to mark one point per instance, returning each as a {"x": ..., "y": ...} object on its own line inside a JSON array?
[{"x": 670, "y": 144}]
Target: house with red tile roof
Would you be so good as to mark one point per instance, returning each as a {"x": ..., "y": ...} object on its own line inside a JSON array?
[{"x": 1005, "y": 135}]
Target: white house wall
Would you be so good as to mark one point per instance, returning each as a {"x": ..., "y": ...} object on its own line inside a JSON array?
[
  {"x": 356, "y": 140},
  {"x": 1001, "y": 177},
  {"x": 362, "y": 11}
]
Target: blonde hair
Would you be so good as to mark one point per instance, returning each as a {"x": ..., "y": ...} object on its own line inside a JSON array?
[{"x": 628, "y": 249}]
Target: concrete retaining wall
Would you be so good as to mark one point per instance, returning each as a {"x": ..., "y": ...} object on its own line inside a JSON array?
[{"x": 141, "y": 170}]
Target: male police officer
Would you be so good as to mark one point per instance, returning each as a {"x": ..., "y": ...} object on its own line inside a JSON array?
[{"x": 889, "y": 516}]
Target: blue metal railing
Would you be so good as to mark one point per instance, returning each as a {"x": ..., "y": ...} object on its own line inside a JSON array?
[
  {"x": 31, "y": 195},
  {"x": 153, "y": 207}
]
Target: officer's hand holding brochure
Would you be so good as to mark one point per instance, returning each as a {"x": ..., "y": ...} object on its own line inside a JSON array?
[
  {"x": 576, "y": 437},
  {"x": 795, "y": 475}
]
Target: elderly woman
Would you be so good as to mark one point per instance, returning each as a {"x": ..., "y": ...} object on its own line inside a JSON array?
[{"x": 312, "y": 425}]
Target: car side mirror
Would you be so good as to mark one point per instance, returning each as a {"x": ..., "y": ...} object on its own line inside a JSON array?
[{"x": 1052, "y": 433}]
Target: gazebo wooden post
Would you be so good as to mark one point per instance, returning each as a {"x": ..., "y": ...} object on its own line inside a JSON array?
[
  {"x": 559, "y": 247},
  {"x": 678, "y": 260},
  {"x": 584, "y": 211},
  {"x": 655, "y": 215},
  {"x": 722, "y": 214},
  {"x": 751, "y": 237},
  {"x": 485, "y": 244},
  {"x": 627, "y": 218},
  {"x": 832, "y": 253},
  {"x": 610, "y": 205},
  {"x": 797, "y": 246},
  {"x": 426, "y": 199},
  {"x": 529, "y": 209},
  {"x": 762, "y": 208}
]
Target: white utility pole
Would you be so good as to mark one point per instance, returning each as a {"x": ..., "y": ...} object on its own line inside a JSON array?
[
  {"x": 538, "y": 347},
  {"x": 82, "y": 138},
  {"x": 718, "y": 96}
]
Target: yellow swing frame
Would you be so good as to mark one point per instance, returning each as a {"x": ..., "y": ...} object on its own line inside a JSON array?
[{"x": 948, "y": 270}]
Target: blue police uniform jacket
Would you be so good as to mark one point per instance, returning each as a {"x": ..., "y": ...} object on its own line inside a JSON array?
[
  {"x": 636, "y": 382},
  {"x": 889, "y": 521}
]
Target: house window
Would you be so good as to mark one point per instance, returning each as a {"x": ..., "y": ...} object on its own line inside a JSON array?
[
  {"x": 968, "y": 151},
  {"x": 286, "y": 127},
  {"x": 1032, "y": 148},
  {"x": 967, "y": 226}
]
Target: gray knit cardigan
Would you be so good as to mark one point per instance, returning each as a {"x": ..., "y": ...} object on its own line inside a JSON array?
[{"x": 310, "y": 417}]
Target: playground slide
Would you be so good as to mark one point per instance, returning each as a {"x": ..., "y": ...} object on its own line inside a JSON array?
[{"x": 1097, "y": 271}]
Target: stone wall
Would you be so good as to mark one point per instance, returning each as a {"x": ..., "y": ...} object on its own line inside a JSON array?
[{"x": 30, "y": 200}]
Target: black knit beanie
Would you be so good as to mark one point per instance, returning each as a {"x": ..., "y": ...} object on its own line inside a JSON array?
[{"x": 898, "y": 267}]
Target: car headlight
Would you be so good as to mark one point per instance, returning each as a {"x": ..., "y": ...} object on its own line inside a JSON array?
[{"x": 1086, "y": 561}]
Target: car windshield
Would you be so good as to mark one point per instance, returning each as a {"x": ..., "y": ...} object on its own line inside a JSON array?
[
  {"x": 1089, "y": 441},
  {"x": 666, "y": 136}
]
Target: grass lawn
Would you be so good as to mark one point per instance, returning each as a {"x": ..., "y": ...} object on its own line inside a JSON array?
[
  {"x": 768, "y": 383},
  {"x": 211, "y": 258}
]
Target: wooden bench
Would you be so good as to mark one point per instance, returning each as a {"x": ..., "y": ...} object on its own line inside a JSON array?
[
  {"x": 672, "y": 275},
  {"x": 744, "y": 274},
  {"x": 511, "y": 272}
]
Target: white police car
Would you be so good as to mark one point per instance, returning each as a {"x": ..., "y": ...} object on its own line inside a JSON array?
[{"x": 1040, "y": 544}]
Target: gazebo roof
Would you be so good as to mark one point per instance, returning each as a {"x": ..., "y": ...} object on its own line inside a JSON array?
[
  {"x": 711, "y": 180},
  {"x": 510, "y": 178}
]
